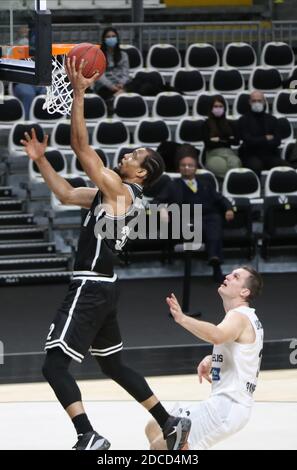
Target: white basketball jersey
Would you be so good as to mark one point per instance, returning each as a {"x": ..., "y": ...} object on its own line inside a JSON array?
[{"x": 235, "y": 366}]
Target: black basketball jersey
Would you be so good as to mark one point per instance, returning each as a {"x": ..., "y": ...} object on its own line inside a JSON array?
[{"x": 103, "y": 235}]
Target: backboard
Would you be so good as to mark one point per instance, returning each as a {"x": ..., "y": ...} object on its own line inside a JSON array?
[{"x": 25, "y": 23}]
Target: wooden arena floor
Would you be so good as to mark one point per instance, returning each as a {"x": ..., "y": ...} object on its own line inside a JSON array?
[{"x": 31, "y": 416}]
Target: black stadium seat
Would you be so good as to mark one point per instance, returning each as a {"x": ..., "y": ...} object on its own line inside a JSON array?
[
  {"x": 11, "y": 110},
  {"x": 110, "y": 133},
  {"x": 37, "y": 113},
  {"x": 130, "y": 106},
  {"x": 289, "y": 153},
  {"x": 188, "y": 81},
  {"x": 150, "y": 132},
  {"x": 202, "y": 56},
  {"x": 61, "y": 135},
  {"x": 285, "y": 104},
  {"x": 238, "y": 233},
  {"x": 241, "y": 104},
  {"x": 285, "y": 129},
  {"x": 77, "y": 169},
  {"x": 266, "y": 79},
  {"x": 281, "y": 180},
  {"x": 169, "y": 106},
  {"x": 278, "y": 54},
  {"x": 17, "y": 133},
  {"x": 151, "y": 82},
  {"x": 55, "y": 158},
  {"x": 280, "y": 224},
  {"x": 241, "y": 182},
  {"x": 164, "y": 57},
  {"x": 190, "y": 130},
  {"x": 94, "y": 107},
  {"x": 134, "y": 56},
  {"x": 239, "y": 55},
  {"x": 227, "y": 80},
  {"x": 208, "y": 176}
]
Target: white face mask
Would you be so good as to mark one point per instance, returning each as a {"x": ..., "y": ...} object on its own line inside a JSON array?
[
  {"x": 257, "y": 107},
  {"x": 218, "y": 111}
]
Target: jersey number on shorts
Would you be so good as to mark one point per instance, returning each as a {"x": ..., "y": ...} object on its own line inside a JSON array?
[{"x": 49, "y": 336}]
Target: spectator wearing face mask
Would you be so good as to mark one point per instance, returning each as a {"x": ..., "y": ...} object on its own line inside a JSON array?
[
  {"x": 116, "y": 75},
  {"x": 260, "y": 136},
  {"x": 219, "y": 135}
]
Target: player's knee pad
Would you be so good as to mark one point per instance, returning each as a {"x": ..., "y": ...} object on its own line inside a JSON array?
[
  {"x": 55, "y": 364},
  {"x": 129, "y": 379},
  {"x": 112, "y": 365}
]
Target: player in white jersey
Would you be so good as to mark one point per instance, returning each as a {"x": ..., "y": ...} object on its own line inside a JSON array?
[{"x": 234, "y": 364}]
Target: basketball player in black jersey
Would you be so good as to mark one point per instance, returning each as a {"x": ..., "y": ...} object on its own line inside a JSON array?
[{"x": 87, "y": 319}]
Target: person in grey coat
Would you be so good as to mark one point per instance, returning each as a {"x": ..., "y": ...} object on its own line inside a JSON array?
[{"x": 112, "y": 82}]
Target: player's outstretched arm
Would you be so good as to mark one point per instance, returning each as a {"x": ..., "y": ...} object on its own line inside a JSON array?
[
  {"x": 108, "y": 181},
  {"x": 228, "y": 330},
  {"x": 35, "y": 150}
]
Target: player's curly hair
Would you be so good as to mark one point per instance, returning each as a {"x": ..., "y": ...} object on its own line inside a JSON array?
[{"x": 154, "y": 165}]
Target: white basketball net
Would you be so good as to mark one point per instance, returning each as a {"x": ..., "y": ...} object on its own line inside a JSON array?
[{"x": 59, "y": 95}]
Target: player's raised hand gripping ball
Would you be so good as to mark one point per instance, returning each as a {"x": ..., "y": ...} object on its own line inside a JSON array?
[{"x": 94, "y": 59}]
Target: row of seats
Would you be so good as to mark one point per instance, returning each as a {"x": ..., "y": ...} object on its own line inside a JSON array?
[
  {"x": 240, "y": 182},
  {"x": 191, "y": 82},
  {"x": 130, "y": 107},
  {"x": 205, "y": 57},
  {"x": 112, "y": 137},
  {"x": 59, "y": 161},
  {"x": 278, "y": 209},
  {"x": 243, "y": 182},
  {"x": 109, "y": 134}
]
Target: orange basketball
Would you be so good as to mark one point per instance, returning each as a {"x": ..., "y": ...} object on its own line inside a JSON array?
[{"x": 94, "y": 58}]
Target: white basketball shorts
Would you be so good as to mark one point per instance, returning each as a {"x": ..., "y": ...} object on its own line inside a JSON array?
[{"x": 213, "y": 420}]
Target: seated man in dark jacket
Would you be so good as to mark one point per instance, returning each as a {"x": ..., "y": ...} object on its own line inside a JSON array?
[
  {"x": 260, "y": 135},
  {"x": 192, "y": 189}
]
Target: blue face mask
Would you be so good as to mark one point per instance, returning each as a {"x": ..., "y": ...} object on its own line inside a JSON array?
[{"x": 111, "y": 42}]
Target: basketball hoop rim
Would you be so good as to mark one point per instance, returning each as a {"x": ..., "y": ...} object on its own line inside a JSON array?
[
  {"x": 60, "y": 49},
  {"x": 59, "y": 93},
  {"x": 22, "y": 52}
]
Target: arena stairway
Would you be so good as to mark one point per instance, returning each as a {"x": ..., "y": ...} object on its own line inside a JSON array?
[{"x": 27, "y": 256}]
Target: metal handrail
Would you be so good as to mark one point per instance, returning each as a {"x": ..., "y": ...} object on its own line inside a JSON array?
[{"x": 181, "y": 34}]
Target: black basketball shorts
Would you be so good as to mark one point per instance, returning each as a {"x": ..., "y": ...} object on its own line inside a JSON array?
[{"x": 87, "y": 320}]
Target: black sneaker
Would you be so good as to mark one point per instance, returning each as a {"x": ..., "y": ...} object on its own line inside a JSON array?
[
  {"x": 91, "y": 441},
  {"x": 176, "y": 432}
]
